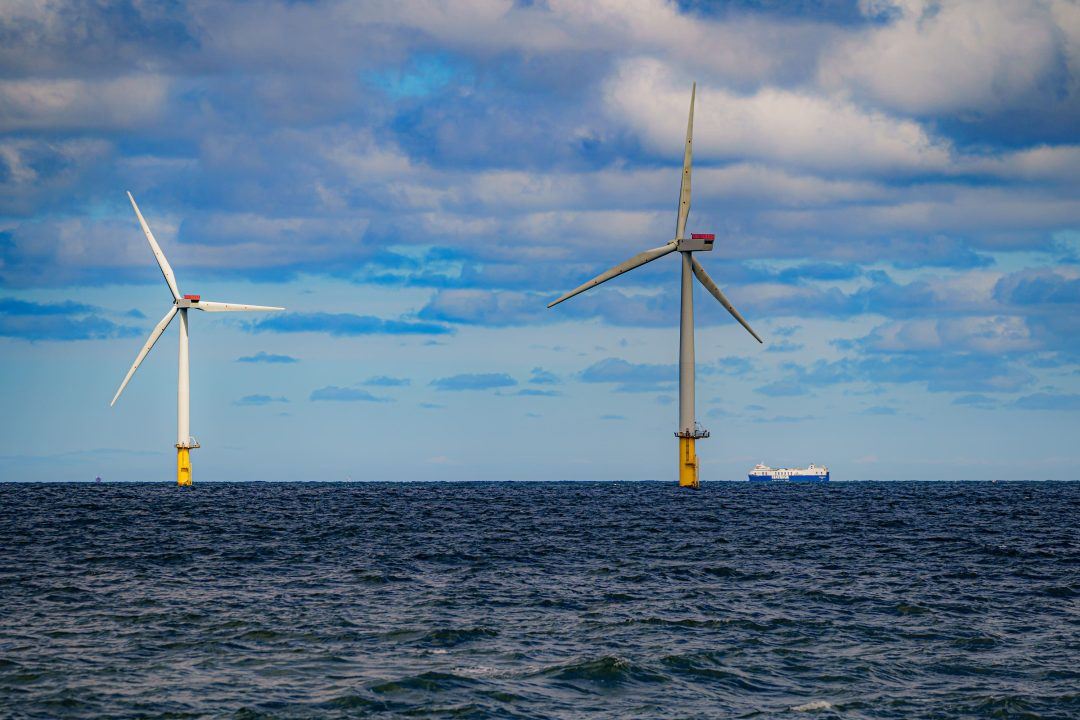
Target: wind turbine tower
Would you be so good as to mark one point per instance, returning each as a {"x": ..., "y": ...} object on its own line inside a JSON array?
[
  {"x": 180, "y": 306},
  {"x": 689, "y": 430}
]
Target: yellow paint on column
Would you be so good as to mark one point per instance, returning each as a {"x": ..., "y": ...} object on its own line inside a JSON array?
[
  {"x": 688, "y": 463},
  {"x": 183, "y": 467}
]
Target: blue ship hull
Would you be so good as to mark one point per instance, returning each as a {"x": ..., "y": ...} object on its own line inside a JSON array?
[{"x": 792, "y": 478}]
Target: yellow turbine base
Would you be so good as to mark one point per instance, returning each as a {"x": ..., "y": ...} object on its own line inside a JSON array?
[
  {"x": 183, "y": 467},
  {"x": 688, "y": 463}
]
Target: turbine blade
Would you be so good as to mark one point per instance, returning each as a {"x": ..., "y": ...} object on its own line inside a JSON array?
[
  {"x": 684, "y": 187},
  {"x": 636, "y": 261},
  {"x": 704, "y": 279},
  {"x": 162, "y": 261},
  {"x": 207, "y": 306},
  {"x": 145, "y": 349}
]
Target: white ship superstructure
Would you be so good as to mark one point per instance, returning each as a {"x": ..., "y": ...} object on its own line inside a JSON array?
[{"x": 811, "y": 473}]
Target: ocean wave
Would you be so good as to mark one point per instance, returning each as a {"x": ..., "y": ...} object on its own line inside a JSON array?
[{"x": 534, "y": 600}]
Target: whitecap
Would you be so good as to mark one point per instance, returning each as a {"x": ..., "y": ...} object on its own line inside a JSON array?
[{"x": 813, "y": 705}]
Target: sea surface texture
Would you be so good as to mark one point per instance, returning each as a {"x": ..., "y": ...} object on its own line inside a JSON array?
[{"x": 540, "y": 600}]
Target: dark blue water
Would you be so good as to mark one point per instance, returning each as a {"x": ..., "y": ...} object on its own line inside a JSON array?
[{"x": 905, "y": 600}]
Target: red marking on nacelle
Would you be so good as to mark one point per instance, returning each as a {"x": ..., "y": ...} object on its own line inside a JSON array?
[
  {"x": 702, "y": 236},
  {"x": 192, "y": 298}
]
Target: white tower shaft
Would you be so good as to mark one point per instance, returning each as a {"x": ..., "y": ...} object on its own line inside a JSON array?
[
  {"x": 686, "y": 349},
  {"x": 183, "y": 406},
  {"x": 183, "y": 386}
]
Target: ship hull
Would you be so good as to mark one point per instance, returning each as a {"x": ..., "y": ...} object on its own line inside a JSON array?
[
  {"x": 809, "y": 478},
  {"x": 791, "y": 478}
]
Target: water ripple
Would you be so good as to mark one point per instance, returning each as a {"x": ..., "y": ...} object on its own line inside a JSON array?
[{"x": 540, "y": 600}]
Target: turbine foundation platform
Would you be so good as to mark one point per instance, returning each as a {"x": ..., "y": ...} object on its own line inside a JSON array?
[
  {"x": 688, "y": 459},
  {"x": 688, "y": 463},
  {"x": 183, "y": 466}
]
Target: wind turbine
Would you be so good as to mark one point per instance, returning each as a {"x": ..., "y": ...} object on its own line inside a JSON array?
[
  {"x": 181, "y": 304},
  {"x": 689, "y": 430}
]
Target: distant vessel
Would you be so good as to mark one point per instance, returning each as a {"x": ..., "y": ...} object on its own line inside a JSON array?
[{"x": 811, "y": 473}]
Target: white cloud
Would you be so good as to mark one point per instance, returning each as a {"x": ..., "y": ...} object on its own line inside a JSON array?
[
  {"x": 994, "y": 334},
  {"x": 98, "y": 251},
  {"x": 996, "y": 216},
  {"x": 741, "y": 49},
  {"x": 793, "y": 128},
  {"x": 962, "y": 56},
  {"x": 39, "y": 104},
  {"x": 1054, "y": 163},
  {"x": 34, "y": 170}
]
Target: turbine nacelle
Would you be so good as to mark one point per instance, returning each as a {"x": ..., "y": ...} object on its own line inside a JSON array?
[{"x": 698, "y": 242}]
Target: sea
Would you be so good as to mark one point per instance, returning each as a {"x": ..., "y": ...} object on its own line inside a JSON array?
[{"x": 540, "y": 600}]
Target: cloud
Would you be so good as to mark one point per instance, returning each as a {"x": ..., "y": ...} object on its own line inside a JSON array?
[
  {"x": 996, "y": 334},
  {"x": 12, "y": 307},
  {"x": 386, "y": 381},
  {"x": 483, "y": 307},
  {"x": 976, "y": 400},
  {"x": 1049, "y": 401},
  {"x": 782, "y": 419},
  {"x": 732, "y": 365},
  {"x": 264, "y": 357},
  {"x": 540, "y": 156},
  {"x": 36, "y": 172},
  {"x": 255, "y": 400},
  {"x": 946, "y": 372},
  {"x": 1049, "y": 301},
  {"x": 964, "y": 308},
  {"x": 59, "y": 321},
  {"x": 819, "y": 271},
  {"x": 57, "y": 39},
  {"x": 474, "y": 381},
  {"x": 970, "y": 58},
  {"x": 1039, "y": 287},
  {"x": 630, "y": 377},
  {"x": 879, "y": 410},
  {"x": 796, "y": 128},
  {"x": 540, "y": 376},
  {"x": 107, "y": 246},
  {"x": 504, "y": 308},
  {"x": 68, "y": 104},
  {"x": 344, "y": 394},
  {"x": 783, "y": 346},
  {"x": 533, "y": 392},
  {"x": 783, "y": 388},
  {"x": 344, "y": 325}
]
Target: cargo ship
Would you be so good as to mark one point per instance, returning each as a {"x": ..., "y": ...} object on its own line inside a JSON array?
[{"x": 811, "y": 473}]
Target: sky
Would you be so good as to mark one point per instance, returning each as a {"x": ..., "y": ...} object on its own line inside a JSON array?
[{"x": 894, "y": 186}]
